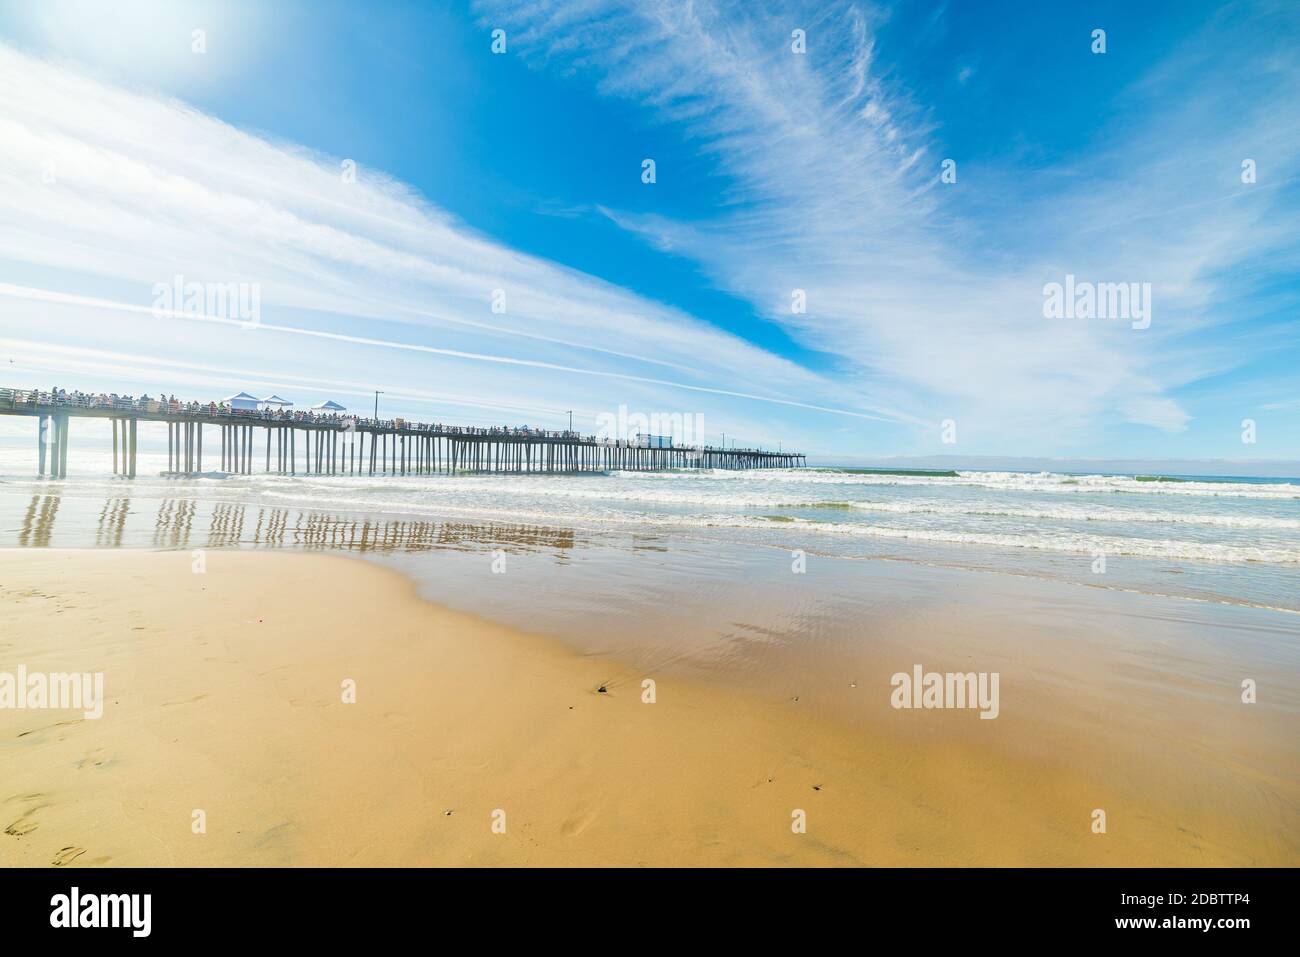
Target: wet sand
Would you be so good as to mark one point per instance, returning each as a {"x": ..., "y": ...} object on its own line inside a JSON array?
[{"x": 224, "y": 695}]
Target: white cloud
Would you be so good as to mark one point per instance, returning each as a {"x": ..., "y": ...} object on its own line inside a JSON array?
[
  {"x": 105, "y": 192},
  {"x": 932, "y": 292}
]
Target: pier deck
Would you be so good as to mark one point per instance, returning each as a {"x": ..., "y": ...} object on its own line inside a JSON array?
[{"x": 294, "y": 443}]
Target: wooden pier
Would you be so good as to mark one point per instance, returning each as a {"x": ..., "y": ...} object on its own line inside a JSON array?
[{"x": 285, "y": 443}]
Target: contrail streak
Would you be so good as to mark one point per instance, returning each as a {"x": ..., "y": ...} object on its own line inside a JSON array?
[{"x": 45, "y": 295}]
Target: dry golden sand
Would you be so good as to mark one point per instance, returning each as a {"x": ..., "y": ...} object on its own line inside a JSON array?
[{"x": 224, "y": 694}]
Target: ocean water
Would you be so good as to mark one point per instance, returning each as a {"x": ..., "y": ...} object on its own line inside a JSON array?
[{"x": 1213, "y": 539}]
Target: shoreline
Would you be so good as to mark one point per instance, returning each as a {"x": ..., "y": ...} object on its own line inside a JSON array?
[
  {"x": 224, "y": 695},
  {"x": 578, "y": 515}
]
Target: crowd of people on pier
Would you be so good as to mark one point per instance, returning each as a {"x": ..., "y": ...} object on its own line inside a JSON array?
[
  {"x": 269, "y": 413},
  {"x": 170, "y": 404}
]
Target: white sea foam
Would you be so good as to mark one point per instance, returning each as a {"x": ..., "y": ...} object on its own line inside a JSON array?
[
  {"x": 1079, "y": 543},
  {"x": 1069, "y": 514},
  {"x": 1047, "y": 482}
]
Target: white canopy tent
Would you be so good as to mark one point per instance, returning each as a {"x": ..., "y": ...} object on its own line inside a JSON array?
[
  {"x": 329, "y": 405},
  {"x": 242, "y": 402},
  {"x": 275, "y": 402}
]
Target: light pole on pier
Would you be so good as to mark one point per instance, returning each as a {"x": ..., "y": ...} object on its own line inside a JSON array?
[
  {"x": 377, "y": 395},
  {"x": 570, "y": 420}
]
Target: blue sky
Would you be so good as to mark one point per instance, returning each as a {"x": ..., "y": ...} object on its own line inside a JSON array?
[{"x": 776, "y": 171}]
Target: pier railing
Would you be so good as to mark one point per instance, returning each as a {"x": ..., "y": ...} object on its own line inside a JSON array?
[{"x": 18, "y": 400}]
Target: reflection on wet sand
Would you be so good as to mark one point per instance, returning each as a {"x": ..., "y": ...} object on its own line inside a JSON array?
[
  {"x": 172, "y": 529},
  {"x": 38, "y": 523},
  {"x": 178, "y": 525},
  {"x": 112, "y": 522},
  {"x": 227, "y": 527}
]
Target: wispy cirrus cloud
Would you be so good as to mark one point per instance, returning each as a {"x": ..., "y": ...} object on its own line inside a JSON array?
[
  {"x": 105, "y": 192},
  {"x": 931, "y": 293}
]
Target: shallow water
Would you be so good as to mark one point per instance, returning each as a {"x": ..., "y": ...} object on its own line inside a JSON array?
[{"x": 1233, "y": 541}]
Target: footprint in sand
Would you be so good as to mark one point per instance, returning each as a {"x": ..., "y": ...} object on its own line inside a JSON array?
[
  {"x": 95, "y": 759},
  {"x": 21, "y": 826},
  {"x": 34, "y": 796},
  {"x": 578, "y": 823},
  {"x": 67, "y": 856},
  {"x": 276, "y": 839},
  {"x": 26, "y": 822},
  {"x": 197, "y": 697},
  {"x": 57, "y": 724}
]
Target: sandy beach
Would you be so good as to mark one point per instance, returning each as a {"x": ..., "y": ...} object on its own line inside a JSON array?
[{"x": 470, "y": 743}]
